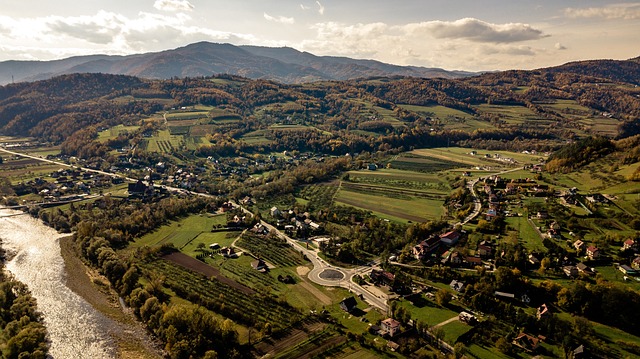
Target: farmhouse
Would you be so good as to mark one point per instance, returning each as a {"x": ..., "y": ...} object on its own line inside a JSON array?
[
  {"x": 348, "y": 304},
  {"x": 578, "y": 245},
  {"x": 389, "y": 327},
  {"x": 626, "y": 269},
  {"x": 425, "y": 247},
  {"x": 636, "y": 263},
  {"x": 259, "y": 265},
  {"x": 570, "y": 271}
]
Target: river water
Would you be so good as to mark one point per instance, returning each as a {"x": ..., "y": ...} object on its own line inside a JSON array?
[{"x": 76, "y": 329}]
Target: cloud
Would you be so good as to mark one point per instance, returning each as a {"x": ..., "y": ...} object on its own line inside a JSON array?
[
  {"x": 280, "y": 19},
  {"x": 320, "y": 8},
  {"x": 303, "y": 7},
  {"x": 612, "y": 12},
  {"x": 559, "y": 46},
  {"x": 173, "y": 5},
  {"x": 477, "y": 31},
  {"x": 98, "y": 29}
]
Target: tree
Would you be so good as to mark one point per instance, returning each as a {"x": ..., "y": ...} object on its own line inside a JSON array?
[
  {"x": 503, "y": 345},
  {"x": 443, "y": 297}
]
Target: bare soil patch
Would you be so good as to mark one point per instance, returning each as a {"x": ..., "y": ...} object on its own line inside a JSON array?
[
  {"x": 195, "y": 265},
  {"x": 301, "y": 270}
]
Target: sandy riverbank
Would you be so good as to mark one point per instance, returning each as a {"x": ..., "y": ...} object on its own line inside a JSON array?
[{"x": 130, "y": 336}]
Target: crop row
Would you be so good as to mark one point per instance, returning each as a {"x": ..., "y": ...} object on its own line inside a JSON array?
[
  {"x": 248, "y": 309},
  {"x": 319, "y": 195},
  {"x": 272, "y": 250}
]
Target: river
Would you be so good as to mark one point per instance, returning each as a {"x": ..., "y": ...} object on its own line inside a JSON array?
[{"x": 76, "y": 329}]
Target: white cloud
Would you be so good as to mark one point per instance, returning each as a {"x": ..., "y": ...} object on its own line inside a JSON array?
[
  {"x": 173, "y": 5},
  {"x": 559, "y": 46},
  {"x": 477, "y": 31},
  {"x": 280, "y": 19},
  {"x": 629, "y": 11},
  {"x": 99, "y": 29},
  {"x": 303, "y": 7},
  {"x": 320, "y": 8}
]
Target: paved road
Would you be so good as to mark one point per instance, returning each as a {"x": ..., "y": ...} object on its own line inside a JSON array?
[{"x": 477, "y": 204}]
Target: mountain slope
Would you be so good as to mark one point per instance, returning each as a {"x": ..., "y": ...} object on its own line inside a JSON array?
[
  {"x": 614, "y": 70},
  {"x": 205, "y": 59}
]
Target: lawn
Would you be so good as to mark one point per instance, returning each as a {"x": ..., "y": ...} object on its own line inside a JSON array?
[
  {"x": 527, "y": 234},
  {"x": 453, "y": 330},
  {"x": 428, "y": 311}
]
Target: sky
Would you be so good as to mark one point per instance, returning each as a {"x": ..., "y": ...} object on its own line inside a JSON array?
[{"x": 470, "y": 35}]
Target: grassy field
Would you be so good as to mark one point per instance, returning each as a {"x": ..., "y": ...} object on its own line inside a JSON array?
[
  {"x": 408, "y": 209},
  {"x": 427, "y": 311},
  {"x": 437, "y": 111},
  {"x": 196, "y": 228}
]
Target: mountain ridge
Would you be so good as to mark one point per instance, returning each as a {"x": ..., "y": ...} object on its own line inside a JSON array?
[{"x": 282, "y": 64}]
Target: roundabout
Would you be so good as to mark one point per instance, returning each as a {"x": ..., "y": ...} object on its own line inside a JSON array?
[{"x": 331, "y": 275}]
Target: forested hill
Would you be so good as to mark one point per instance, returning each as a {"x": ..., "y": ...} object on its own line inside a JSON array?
[
  {"x": 285, "y": 65},
  {"x": 613, "y": 70},
  {"x": 512, "y": 109}
]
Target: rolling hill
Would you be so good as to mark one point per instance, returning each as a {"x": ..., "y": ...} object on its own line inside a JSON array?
[{"x": 285, "y": 65}]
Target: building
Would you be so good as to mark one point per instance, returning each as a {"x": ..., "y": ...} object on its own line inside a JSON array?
[
  {"x": 348, "y": 304},
  {"x": 450, "y": 238},
  {"x": 543, "y": 312},
  {"x": 593, "y": 252},
  {"x": 527, "y": 342},
  {"x": 390, "y": 327},
  {"x": 425, "y": 247},
  {"x": 457, "y": 286}
]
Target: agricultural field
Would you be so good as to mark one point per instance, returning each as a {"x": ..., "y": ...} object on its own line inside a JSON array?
[
  {"x": 437, "y": 111},
  {"x": 114, "y": 132},
  {"x": 271, "y": 250},
  {"x": 401, "y": 208},
  {"x": 163, "y": 141}
]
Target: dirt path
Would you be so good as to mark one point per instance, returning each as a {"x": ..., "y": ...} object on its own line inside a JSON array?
[
  {"x": 323, "y": 298},
  {"x": 184, "y": 260},
  {"x": 446, "y": 322}
]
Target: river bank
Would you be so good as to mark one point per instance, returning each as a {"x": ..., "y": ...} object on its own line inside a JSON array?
[
  {"x": 81, "y": 313},
  {"x": 131, "y": 338}
]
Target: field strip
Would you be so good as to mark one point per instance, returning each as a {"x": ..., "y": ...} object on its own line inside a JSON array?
[
  {"x": 323, "y": 298},
  {"x": 381, "y": 209}
]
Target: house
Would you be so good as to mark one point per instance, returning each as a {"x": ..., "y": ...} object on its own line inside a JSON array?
[
  {"x": 593, "y": 252},
  {"x": 473, "y": 261},
  {"x": 259, "y": 265},
  {"x": 583, "y": 268},
  {"x": 228, "y": 252},
  {"x": 543, "y": 312},
  {"x": 457, "y": 286},
  {"x": 467, "y": 318},
  {"x": 137, "y": 189},
  {"x": 570, "y": 271},
  {"x": 247, "y": 201},
  {"x": 629, "y": 244},
  {"x": 390, "y": 327},
  {"x": 372, "y": 167},
  {"x": 636, "y": 263},
  {"x": 393, "y": 346},
  {"x": 275, "y": 212},
  {"x": 578, "y": 352},
  {"x": 484, "y": 249},
  {"x": 450, "y": 238},
  {"x": 381, "y": 277},
  {"x": 456, "y": 258},
  {"x": 425, "y": 247},
  {"x": 348, "y": 304},
  {"x": 578, "y": 245},
  {"x": 534, "y": 260},
  {"x": 527, "y": 342},
  {"x": 214, "y": 246},
  {"x": 626, "y": 269}
]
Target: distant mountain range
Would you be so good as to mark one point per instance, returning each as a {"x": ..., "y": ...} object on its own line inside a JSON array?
[{"x": 283, "y": 64}]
